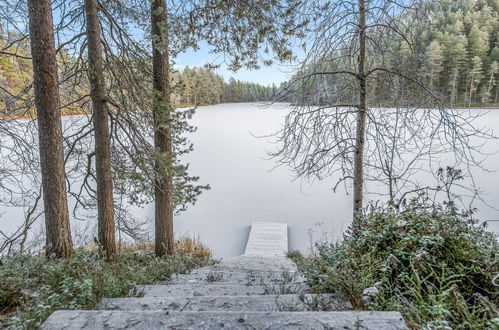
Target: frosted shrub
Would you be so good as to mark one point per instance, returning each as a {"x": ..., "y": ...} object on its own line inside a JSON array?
[
  {"x": 432, "y": 262},
  {"x": 32, "y": 287}
]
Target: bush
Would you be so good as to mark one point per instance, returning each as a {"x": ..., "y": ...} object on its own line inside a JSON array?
[
  {"x": 31, "y": 287},
  {"x": 433, "y": 263}
]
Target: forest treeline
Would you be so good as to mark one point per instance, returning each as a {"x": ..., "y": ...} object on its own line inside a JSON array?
[
  {"x": 204, "y": 86},
  {"x": 192, "y": 85},
  {"x": 458, "y": 49},
  {"x": 462, "y": 50}
]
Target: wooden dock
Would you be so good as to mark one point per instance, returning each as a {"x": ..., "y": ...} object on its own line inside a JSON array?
[{"x": 267, "y": 239}]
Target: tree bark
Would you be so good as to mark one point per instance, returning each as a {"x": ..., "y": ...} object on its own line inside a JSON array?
[
  {"x": 358, "y": 181},
  {"x": 105, "y": 203},
  {"x": 47, "y": 101},
  {"x": 497, "y": 95},
  {"x": 163, "y": 190}
]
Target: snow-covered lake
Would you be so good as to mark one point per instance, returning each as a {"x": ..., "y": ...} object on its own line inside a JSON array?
[{"x": 246, "y": 187}]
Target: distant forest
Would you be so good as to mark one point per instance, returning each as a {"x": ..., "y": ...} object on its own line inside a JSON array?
[
  {"x": 460, "y": 44},
  {"x": 204, "y": 86},
  {"x": 192, "y": 86}
]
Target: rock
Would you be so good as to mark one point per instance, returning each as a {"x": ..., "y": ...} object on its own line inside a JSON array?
[
  {"x": 227, "y": 275},
  {"x": 191, "y": 290},
  {"x": 369, "y": 293}
]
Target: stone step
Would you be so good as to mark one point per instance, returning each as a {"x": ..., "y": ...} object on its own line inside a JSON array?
[
  {"x": 240, "y": 270},
  {"x": 229, "y": 303},
  {"x": 257, "y": 263},
  {"x": 217, "y": 289},
  {"x": 145, "y": 320},
  {"x": 235, "y": 277}
]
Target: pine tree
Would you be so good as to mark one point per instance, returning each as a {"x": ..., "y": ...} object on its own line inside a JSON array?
[
  {"x": 491, "y": 83},
  {"x": 163, "y": 185},
  {"x": 47, "y": 101},
  {"x": 104, "y": 177},
  {"x": 475, "y": 77},
  {"x": 436, "y": 64}
]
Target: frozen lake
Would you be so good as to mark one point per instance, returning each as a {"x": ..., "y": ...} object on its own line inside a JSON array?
[{"x": 245, "y": 186}]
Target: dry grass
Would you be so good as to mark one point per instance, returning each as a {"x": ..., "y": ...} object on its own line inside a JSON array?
[
  {"x": 193, "y": 247},
  {"x": 185, "y": 245}
]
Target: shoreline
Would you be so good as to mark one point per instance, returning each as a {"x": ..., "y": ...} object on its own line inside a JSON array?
[
  {"x": 185, "y": 106},
  {"x": 80, "y": 112}
]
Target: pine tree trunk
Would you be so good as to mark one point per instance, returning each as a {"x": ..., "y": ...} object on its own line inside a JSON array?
[
  {"x": 163, "y": 189},
  {"x": 497, "y": 95},
  {"x": 105, "y": 203},
  {"x": 46, "y": 87},
  {"x": 358, "y": 180},
  {"x": 471, "y": 89},
  {"x": 453, "y": 95}
]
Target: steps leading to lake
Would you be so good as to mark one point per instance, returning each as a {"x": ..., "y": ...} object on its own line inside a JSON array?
[{"x": 258, "y": 290}]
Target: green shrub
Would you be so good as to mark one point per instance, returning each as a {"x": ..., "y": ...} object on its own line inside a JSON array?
[
  {"x": 31, "y": 288},
  {"x": 432, "y": 263},
  {"x": 295, "y": 255}
]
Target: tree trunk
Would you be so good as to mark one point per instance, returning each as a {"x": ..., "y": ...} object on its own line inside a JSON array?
[
  {"x": 105, "y": 203},
  {"x": 163, "y": 189},
  {"x": 497, "y": 95},
  {"x": 358, "y": 180},
  {"x": 46, "y": 87},
  {"x": 471, "y": 88},
  {"x": 454, "y": 95}
]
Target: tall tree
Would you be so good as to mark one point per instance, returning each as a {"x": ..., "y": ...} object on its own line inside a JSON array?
[
  {"x": 358, "y": 172},
  {"x": 46, "y": 86},
  {"x": 375, "y": 123},
  {"x": 163, "y": 189},
  {"x": 475, "y": 75},
  {"x": 105, "y": 203},
  {"x": 218, "y": 23}
]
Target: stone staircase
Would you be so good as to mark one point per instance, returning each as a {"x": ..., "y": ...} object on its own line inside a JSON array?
[{"x": 247, "y": 292}]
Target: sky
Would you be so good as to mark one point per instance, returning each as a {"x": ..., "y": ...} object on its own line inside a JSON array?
[{"x": 266, "y": 75}]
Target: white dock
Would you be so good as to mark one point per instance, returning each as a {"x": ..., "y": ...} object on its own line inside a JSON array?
[{"x": 267, "y": 239}]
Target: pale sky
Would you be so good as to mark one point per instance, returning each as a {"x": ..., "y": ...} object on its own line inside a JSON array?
[{"x": 276, "y": 73}]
